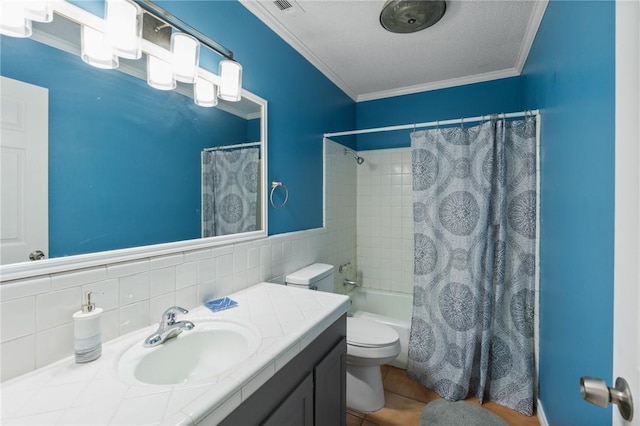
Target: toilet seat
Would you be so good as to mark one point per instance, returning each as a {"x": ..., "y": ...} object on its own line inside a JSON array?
[
  {"x": 370, "y": 343},
  {"x": 370, "y": 334}
]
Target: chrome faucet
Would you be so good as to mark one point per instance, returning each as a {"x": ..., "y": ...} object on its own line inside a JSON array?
[
  {"x": 168, "y": 327},
  {"x": 347, "y": 282}
]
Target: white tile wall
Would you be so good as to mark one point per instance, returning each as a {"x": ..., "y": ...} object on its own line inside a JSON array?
[
  {"x": 37, "y": 327},
  {"x": 340, "y": 210},
  {"x": 385, "y": 220}
]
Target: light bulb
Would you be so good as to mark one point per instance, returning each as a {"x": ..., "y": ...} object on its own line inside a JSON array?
[
  {"x": 124, "y": 28},
  {"x": 186, "y": 57},
  {"x": 95, "y": 50},
  {"x": 230, "y": 81},
  {"x": 204, "y": 93},
  {"x": 13, "y": 19},
  {"x": 39, "y": 10},
  {"x": 160, "y": 74}
]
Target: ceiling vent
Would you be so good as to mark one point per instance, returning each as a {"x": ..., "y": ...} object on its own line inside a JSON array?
[{"x": 289, "y": 7}]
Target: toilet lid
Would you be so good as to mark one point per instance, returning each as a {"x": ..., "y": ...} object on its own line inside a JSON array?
[{"x": 362, "y": 332}]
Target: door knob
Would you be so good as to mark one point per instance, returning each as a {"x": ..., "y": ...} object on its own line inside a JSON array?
[
  {"x": 596, "y": 391},
  {"x": 36, "y": 255}
]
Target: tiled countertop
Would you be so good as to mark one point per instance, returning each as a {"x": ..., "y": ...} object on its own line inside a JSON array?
[{"x": 287, "y": 318}]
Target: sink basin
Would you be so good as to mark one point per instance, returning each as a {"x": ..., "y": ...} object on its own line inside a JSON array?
[{"x": 200, "y": 354}]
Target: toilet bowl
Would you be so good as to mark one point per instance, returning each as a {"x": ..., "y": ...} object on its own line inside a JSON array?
[{"x": 370, "y": 344}]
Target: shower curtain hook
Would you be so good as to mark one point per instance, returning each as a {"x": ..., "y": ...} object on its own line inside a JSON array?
[{"x": 462, "y": 123}]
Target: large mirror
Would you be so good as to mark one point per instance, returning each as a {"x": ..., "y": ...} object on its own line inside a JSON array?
[{"x": 130, "y": 166}]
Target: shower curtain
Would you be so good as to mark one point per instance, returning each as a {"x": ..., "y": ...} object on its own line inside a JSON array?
[
  {"x": 229, "y": 191},
  {"x": 474, "y": 262}
]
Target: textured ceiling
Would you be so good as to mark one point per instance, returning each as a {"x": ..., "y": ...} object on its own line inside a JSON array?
[{"x": 476, "y": 40}]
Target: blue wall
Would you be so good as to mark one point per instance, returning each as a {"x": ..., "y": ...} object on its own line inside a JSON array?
[
  {"x": 463, "y": 101},
  {"x": 570, "y": 76}
]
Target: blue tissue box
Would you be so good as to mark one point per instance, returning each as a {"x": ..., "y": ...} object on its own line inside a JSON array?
[{"x": 221, "y": 304}]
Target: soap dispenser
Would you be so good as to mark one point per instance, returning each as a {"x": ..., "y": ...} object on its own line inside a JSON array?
[{"x": 87, "y": 332}]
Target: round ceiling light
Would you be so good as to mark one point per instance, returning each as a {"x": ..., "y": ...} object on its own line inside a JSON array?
[{"x": 409, "y": 16}]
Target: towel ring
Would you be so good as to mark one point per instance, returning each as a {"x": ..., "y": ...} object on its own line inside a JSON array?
[{"x": 274, "y": 185}]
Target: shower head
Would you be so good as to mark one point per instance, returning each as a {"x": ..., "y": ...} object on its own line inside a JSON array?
[
  {"x": 359, "y": 159},
  {"x": 409, "y": 16}
]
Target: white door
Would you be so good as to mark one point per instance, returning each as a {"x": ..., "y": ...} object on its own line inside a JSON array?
[
  {"x": 24, "y": 171},
  {"x": 626, "y": 350}
]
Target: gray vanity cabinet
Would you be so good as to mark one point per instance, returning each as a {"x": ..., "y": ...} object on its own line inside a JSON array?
[
  {"x": 296, "y": 409},
  {"x": 331, "y": 405},
  {"x": 309, "y": 390}
]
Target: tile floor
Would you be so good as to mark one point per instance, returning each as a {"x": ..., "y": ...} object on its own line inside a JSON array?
[{"x": 405, "y": 399}]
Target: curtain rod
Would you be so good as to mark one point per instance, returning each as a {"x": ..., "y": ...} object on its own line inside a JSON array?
[
  {"x": 435, "y": 123},
  {"x": 239, "y": 145}
]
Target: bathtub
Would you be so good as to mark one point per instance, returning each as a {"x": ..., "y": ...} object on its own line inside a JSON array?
[{"x": 393, "y": 309}]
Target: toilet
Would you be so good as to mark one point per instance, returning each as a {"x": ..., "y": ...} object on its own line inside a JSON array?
[{"x": 370, "y": 344}]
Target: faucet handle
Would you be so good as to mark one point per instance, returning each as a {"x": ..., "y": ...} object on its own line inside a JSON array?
[{"x": 169, "y": 316}]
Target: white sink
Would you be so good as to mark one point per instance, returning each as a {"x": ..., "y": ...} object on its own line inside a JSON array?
[{"x": 200, "y": 354}]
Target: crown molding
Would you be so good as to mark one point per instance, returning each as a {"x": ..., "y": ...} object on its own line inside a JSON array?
[
  {"x": 442, "y": 84},
  {"x": 539, "y": 7}
]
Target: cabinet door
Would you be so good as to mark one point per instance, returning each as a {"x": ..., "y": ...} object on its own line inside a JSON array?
[
  {"x": 331, "y": 383},
  {"x": 296, "y": 409}
]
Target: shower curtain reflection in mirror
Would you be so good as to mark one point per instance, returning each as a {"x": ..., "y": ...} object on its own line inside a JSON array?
[{"x": 230, "y": 190}]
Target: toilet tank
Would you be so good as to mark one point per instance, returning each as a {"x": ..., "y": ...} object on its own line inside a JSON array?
[{"x": 318, "y": 276}]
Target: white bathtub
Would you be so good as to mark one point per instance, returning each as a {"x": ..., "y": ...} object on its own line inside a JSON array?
[{"x": 393, "y": 309}]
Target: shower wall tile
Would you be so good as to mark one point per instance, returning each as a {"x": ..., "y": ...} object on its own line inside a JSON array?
[
  {"x": 341, "y": 206},
  {"x": 385, "y": 220}
]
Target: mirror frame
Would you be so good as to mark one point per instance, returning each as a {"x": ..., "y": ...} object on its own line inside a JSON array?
[{"x": 22, "y": 270}]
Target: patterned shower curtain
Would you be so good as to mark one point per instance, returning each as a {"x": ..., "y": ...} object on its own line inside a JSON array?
[
  {"x": 474, "y": 263},
  {"x": 229, "y": 191}
]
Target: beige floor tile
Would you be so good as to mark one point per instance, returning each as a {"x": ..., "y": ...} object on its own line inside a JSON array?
[
  {"x": 355, "y": 413},
  {"x": 398, "y": 411},
  {"x": 354, "y": 420},
  {"x": 512, "y": 417},
  {"x": 405, "y": 399},
  {"x": 384, "y": 369},
  {"x": 397, "y": 381}
]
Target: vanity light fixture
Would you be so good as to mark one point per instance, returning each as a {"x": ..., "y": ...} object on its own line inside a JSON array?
[
  {"x": 96, "y": 51},
  {"x": 124, "y": 28},
  {"x": 13, "y": 21},
  {"x": 186, "y": 57},
  {"x": 204, "y": 93},
  {"x": 131, "y": 28},
  {"x": 16, "y": 16},
  {"x": 160, "y": 74},
  {"x": 39, "y": 11},
  {"x": 230, "y": 80}
]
